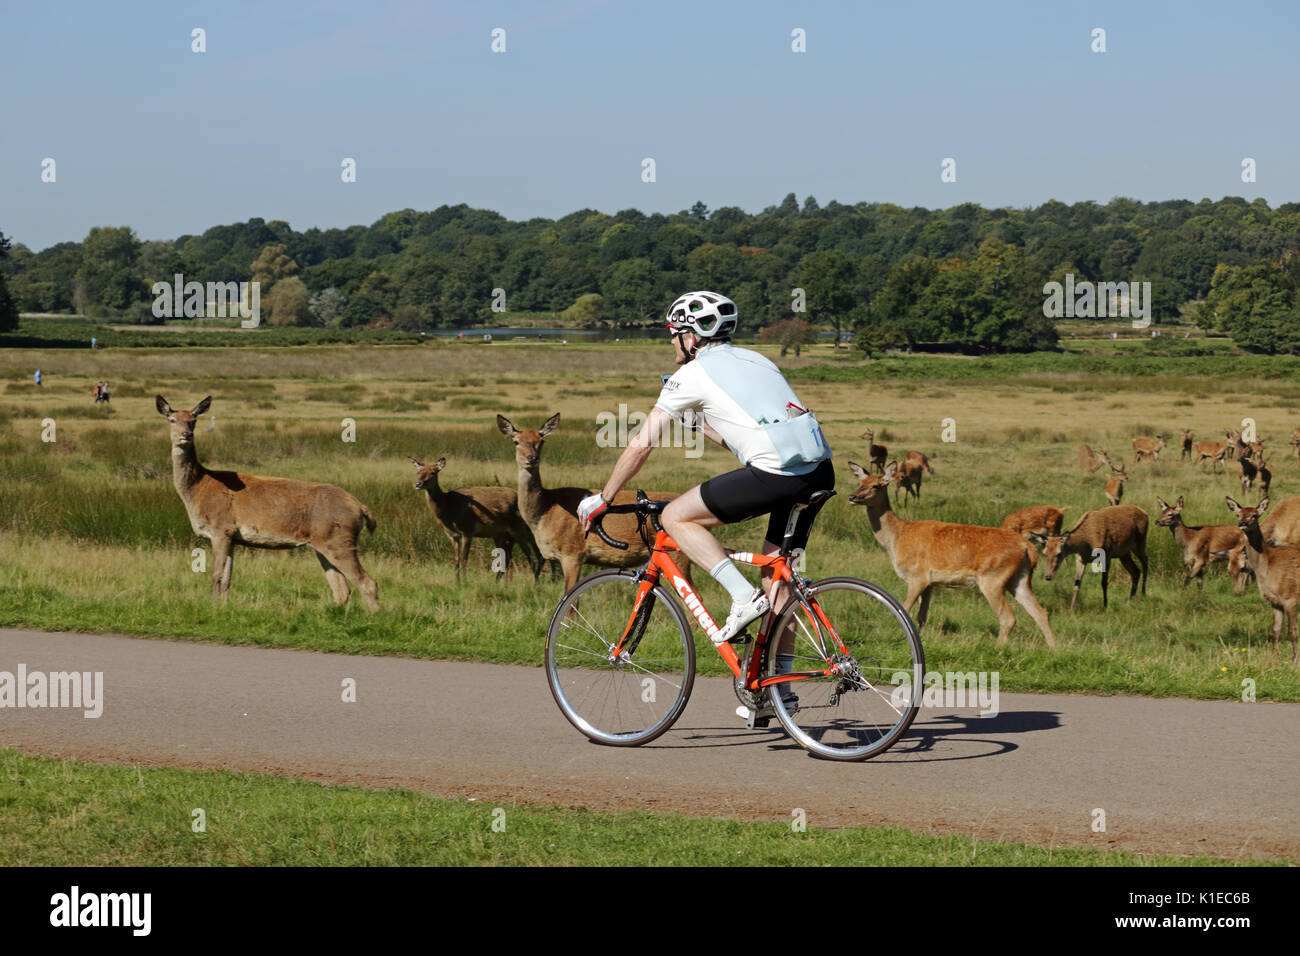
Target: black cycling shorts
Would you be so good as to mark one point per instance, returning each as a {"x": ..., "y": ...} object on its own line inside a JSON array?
[{"x": 749, "y": 492}]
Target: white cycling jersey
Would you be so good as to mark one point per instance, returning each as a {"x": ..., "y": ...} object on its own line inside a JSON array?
[{"x": 740, "y": 394}]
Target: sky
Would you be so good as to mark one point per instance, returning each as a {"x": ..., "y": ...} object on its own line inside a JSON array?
[{"x": 147, "y": 133}]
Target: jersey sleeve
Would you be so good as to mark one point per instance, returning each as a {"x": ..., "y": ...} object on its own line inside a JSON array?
[{"x": 681, "y": 392}]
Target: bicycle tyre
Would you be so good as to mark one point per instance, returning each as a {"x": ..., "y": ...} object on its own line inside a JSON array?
[
  {"x": 849, "y": 716},
  {"x": 617, "y": 703}
]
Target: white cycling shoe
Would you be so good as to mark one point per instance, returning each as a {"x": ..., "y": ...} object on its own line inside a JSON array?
[{"x": 743, "y": 613}]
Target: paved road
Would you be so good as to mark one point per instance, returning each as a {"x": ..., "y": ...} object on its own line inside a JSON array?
[{"x": 1172, "y": 776}]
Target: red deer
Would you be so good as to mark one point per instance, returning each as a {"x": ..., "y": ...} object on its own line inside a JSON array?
[
  {"x": 919, "y": 458},
  {"x": 1277, "y": 573},
  {"x": 875, "y": 453},
  {"x": 1149, "y": 447},
  {"x": 1213, "y": 450},
  {"x": 929, "y": 554},
  {"x": 1091, "y": 462},
  {"x": 1246, "y": 473},
  {"x": 1295, "y": 441},
  {"x": 1186, "y": 446},
  {"x": 552, "y": 513},
  {"x": 1115, "y": 484},
  {"x": 230, "y": 508},
  {"x": 1042, "y": 520},
  {"x": 908, "y": 479},
  {"x": 1199, "y": 545},
  {"x": 488, "y": 511},
  {"x": 1238, "y": 569},
  {"x": 1235, "y": 445},
  {"x": 1265, "y": 478},
  {"x": 1118, "y": 532}
]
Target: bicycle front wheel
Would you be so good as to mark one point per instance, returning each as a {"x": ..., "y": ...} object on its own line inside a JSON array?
[
  {"x": 870, "y": 663},
  {"x": 631, "y": 699}
]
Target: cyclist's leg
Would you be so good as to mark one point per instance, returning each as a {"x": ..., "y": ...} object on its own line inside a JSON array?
[{"x": 688, "y": 520}]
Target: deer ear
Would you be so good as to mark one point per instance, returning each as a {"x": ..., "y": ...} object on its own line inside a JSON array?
[
  {"x": 441, "y": 463},
  {"x": 1232, "y": 505},
  {"x": 552, "y": 423},
  {"x": 890, "y": 471},
  {"x": 858, "y": 471},
  {"x": 1180, "y": 502},
  {"x": 163, "y": 407},
  {"x": 1161, "y": 503},
  {"x": 1263, "y": 506},
  {"x": 1037, "y": 537},
  {"x": 201, "y": 407},
  {"x": 415, "y": 461},
  {"x": 507, "y": 429}
]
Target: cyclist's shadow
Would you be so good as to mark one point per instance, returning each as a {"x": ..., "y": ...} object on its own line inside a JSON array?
[{"x": 929, "y": 739}]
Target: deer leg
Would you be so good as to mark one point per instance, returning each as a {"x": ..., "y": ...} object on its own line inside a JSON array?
[
  {"x": 337, "y": 582},
  {"x": 1146, "y": 569},
  {"x": 462, "y": 555},
  {"x": 571, "y": 565},
  {"x": 221, "y": 567},
  {"x": 505, "y": 544},
  {"x": 994, "y": 592},
  {"x": 1025, "y": 597},
  {"x": 1131, "y": 567},
  {"x": 1295, "y": 648},
  {"x": 345, "y": 559},
  {"x": 1277, "y": 630},
  {"x": 1079, "y": 568}
]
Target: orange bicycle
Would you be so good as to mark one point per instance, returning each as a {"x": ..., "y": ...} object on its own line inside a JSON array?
[{"x": 620, "y": 656}]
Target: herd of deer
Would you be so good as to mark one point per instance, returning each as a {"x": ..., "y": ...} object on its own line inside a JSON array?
[{"x": 232, "y": 508}]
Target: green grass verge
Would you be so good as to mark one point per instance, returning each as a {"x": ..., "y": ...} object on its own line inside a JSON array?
[{"x": 69, "y": 813}]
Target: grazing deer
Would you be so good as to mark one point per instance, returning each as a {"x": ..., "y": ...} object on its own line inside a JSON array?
[
  {"x": 1277, "y": 573},
  {"x": 908, "y": 477},
  {"x": 230, "y": 508},
  {"x": 1186, "y": 454},
  {"x": 1246, "y": 473},
  {"x": 1265, "y": 479},
  {"x": 478, "y": 512},
  {"x": 875, "y": 453},
  {"x": 1149, "y": 447},
  {"x": 1091, "y": 462},
  {"x": 1118, "y": 532},
  {"x": 1215, "y": 451},
  {"x": 552, "y": 513},
  {"x": 918, "y": 458},
  {"x": 1115, "y": 484},
  {"x": 1235, "y": 444},
  {"x": 1043, "y": 520},
  {"x": 1200, "y": 545},
  {"x": 929, "y": 554}
]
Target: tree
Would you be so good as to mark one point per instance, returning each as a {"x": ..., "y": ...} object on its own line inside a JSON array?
[
  {"x": 586, "y": 311},
  {"x": 8, "y": 311},
  {"x": 789, "y": 334},
  {"x": 631, "y": 291},
  {"x": 271, "y": 265},
  {"x": 827, "y": 279},
  {"x": 107, "y": 278},
  {"x": 326, "y": 307},
  {"x": 288, "y": 303}
]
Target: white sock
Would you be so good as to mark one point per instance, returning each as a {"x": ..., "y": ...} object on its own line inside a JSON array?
[{"x": 729, "y": 576}]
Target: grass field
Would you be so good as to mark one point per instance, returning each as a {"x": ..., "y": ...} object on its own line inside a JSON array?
[
  {"x": 94, "y": 537},
  {"x": 70, "y": 813}
]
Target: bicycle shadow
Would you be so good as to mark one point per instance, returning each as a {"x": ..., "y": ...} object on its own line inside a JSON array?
[{"x": 930, "y": 739}]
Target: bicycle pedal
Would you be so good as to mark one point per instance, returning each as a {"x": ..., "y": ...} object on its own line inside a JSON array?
[{"x": 740, "y": 640}]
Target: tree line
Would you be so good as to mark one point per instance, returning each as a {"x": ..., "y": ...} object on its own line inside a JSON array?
[{"x": 965, "y": 277}]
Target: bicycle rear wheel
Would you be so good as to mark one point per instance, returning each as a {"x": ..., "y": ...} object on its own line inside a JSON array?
[
  {"x": 631, "y": 700},
  {"x": 857, "y": 630}
]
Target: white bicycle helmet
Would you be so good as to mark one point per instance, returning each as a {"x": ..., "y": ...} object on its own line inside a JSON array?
[{"x": 707, "y": 314}]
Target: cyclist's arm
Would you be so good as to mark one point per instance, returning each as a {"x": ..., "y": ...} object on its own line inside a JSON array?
[
  {"x": 713, "y": 436},
  {"x": 636, "y": 452}
]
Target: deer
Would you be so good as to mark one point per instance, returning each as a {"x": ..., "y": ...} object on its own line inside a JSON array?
[
  {"x": 1295, "y": 441},
  {"x": 876, "y": 454},
  {"x": 919, "y": 458},
  {"x": 476, "y": 512},
  {"x": 929, "y": 554},
  {"x": 552, "y": 513},
  {"x": 1115, "y": 484},
  {"x": 1235, "y": 444},
  {"x": 1149, "y": 447},
  {"x": 1118, "y": 532},
  {"x": 1215, "y": 451},
  {"x": 1200, "y": 546},
  {"x": 1039, "y": 519},
  {"x": 1089, "y": 461},
  {"x": 1186, "y": 445},
  {"x": 230, "y": 508},
  {"x": 1277, "y": 573},
  {"x": 1246, "y": 473},
  {"x": 908, "y": 479},
  {"x": 1265, "y": 479}
]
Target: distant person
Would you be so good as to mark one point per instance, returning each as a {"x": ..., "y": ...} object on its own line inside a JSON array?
[
  {"x": 92, "y": 343},
  {"x": 38, "y": 377},
  {"x": 104, "y": 393},
  {"x": 95, "y": 391}
]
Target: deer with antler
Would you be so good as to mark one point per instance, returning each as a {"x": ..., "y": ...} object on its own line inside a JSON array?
[{"x": 230, "y": 508}]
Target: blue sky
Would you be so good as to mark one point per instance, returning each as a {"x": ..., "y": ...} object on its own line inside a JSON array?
[{"x": 148, "y": 134}]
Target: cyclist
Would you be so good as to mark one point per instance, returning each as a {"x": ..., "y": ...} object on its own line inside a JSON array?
[{"x": 742, "y": 402}]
